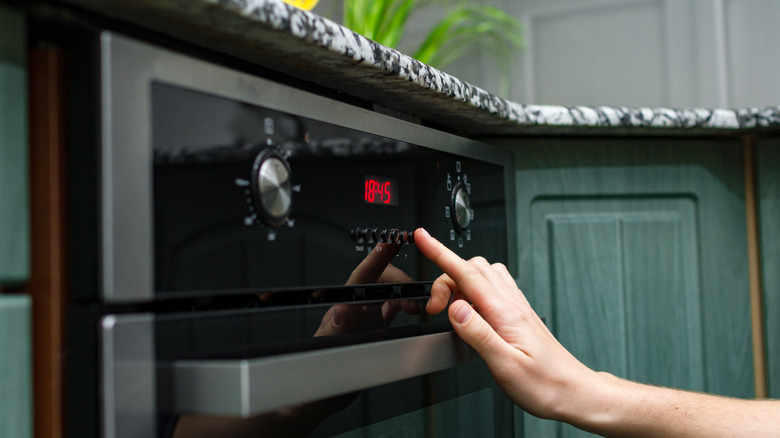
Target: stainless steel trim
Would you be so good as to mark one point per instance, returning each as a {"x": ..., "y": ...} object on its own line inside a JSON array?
[
  {"x": 128, "y": 70},
  {"x": 128, "y": 402},
  {"x": 126, "y": 176},
  {"x": 243, "y": 388}
]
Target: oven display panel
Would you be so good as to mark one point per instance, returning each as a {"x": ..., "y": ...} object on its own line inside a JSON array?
[{"x": 380, "y": 190}]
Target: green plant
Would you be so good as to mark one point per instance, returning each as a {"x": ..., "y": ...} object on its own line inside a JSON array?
[{"x": 466, "y": 27}]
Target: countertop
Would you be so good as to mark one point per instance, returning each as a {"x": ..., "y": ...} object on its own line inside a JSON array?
[{"x": 307, "y": 46}]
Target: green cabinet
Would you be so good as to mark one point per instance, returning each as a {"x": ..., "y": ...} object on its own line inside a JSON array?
[
  {"x": 15, "y": 324},
  {"x": 14, "y": 221},
  {"x": 634, "y": 251},
  {"x": 15, "y": 367},
  {"x": 768, "y": 182}
]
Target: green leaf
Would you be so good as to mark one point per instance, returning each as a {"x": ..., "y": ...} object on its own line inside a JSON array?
[
  {"x": 374, "y": 15},
  {"x": 394, "y": 28},
  {"x": 467, "y": 27}
]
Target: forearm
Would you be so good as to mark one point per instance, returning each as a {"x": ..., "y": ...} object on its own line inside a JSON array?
[
  {"x": 622, "y": 408},
  {"x": 543, "y": 378}
]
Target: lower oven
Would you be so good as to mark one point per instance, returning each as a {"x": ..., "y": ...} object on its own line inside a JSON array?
[
  {"x": 296, "y": 373},
  {"x": 256, "y": 269}
]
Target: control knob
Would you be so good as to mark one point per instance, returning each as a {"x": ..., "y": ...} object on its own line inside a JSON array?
[
  {"x": 272, "y": 187},
  {"x": 461, "y": 207}
]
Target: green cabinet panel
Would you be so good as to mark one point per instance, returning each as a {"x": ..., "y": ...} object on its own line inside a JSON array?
[
  {"x": 15, "y": 367},
  {"x": 634, "y": 251},
  {"x": 768, "y": 176},
  {"x": 616, "y": 265},
  {"x": 14, "y": 223}
]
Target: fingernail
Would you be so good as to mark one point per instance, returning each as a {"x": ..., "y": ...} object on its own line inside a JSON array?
[
  {"x": 421, "y": 231},
  {"x": 462, "y": 313}
]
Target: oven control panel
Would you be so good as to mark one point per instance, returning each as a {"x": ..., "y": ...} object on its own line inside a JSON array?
[{"x": 268, "y": 199}]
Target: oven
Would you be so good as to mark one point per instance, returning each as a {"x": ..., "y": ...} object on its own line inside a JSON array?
[{"x": 255, "y": 266}]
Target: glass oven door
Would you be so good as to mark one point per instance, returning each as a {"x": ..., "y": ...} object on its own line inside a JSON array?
[
  {"x": 459, "y": 401},
  {"x": 219, "y": 373}
]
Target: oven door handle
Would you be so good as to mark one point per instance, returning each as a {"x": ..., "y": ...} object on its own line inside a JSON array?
[{"x": 247, "y": 387}]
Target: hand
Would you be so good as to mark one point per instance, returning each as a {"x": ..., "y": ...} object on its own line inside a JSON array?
[
  {"x": 375, "y": 268},
  {"x": 492, "y": 315}
]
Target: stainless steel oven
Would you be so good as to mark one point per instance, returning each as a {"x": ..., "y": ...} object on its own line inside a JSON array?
[{"x": 257, "y": 274}]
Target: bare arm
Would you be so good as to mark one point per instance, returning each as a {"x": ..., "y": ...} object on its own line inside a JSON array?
[
  {"x": 538, "y": 374},
  {"x": 634, "y": 409}
]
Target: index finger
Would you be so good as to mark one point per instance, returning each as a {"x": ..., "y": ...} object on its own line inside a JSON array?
[
  {"x": 443, "y": 257},
  {"x": 371, "y": 268}
]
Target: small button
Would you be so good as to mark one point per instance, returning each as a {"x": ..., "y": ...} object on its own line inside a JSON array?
[
  {"x": 360, "y": 235},
  {"x": 384, "y": 235},
  {"x": 410, "y": 237},
  {"x": 373, "y": 235},
  {"x": 394, "y": 238}
]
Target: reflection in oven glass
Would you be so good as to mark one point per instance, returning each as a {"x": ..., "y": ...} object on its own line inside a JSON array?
[{"x": 339, "y": 319}]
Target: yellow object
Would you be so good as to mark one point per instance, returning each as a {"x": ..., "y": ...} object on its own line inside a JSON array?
[{"x": 302, "y": 4}]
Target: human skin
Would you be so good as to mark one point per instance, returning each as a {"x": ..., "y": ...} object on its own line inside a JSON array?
[{"x": 537, "y": 373}]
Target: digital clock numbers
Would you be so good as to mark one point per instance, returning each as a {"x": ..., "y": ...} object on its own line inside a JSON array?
[{"x": 380, "y": 190}]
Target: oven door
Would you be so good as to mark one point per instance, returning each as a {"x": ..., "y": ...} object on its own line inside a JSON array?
[{"x": 219, "y": 374}]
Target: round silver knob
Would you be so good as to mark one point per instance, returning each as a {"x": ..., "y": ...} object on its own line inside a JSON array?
[
  {"x": 272, "y": 187},
  {"x": 461, "y": 206}
]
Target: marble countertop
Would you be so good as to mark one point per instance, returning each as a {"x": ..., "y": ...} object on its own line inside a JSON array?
[{"x": 307, "y": 46}]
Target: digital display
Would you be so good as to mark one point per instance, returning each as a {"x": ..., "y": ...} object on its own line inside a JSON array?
[{"x": 380, "y": 190}]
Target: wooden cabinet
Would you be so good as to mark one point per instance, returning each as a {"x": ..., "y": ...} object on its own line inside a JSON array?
[
  {"x": 634, "y": 251},
  {"x": 14, "y": 226},
  {"x": 768, "y": 186}
]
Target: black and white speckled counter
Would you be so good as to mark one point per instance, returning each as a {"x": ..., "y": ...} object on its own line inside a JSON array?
[{"x": 312, "y": 48}]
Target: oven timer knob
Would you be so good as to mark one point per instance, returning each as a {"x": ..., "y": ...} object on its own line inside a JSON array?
[
  {"x": 461, "y": 207},
  {"x": 272, "y": 187}
]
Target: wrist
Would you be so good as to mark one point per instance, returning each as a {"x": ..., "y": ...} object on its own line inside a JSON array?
[{"x": 600, "y": 403}]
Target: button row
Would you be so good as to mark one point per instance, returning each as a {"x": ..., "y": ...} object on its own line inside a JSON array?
[{"x": 381, "y": 235}]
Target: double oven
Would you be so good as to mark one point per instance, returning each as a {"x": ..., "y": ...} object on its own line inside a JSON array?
[{"x": 247, "y": 261}]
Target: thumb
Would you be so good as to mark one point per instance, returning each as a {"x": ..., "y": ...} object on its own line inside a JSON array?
[{"x": 476, "y": 332}]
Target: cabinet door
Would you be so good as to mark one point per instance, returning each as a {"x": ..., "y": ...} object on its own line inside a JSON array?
[
  {"x": 14, "y": 227},
  {"x": 15, "y": 367},
  {"x": 768, "y": 176},
  {"x": 634, "y": 251}
]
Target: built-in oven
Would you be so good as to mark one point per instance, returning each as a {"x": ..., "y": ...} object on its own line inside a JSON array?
[{"x": 257, "y": 274}]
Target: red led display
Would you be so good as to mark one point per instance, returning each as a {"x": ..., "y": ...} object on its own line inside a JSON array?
[{"x": 380, "y": 190}]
